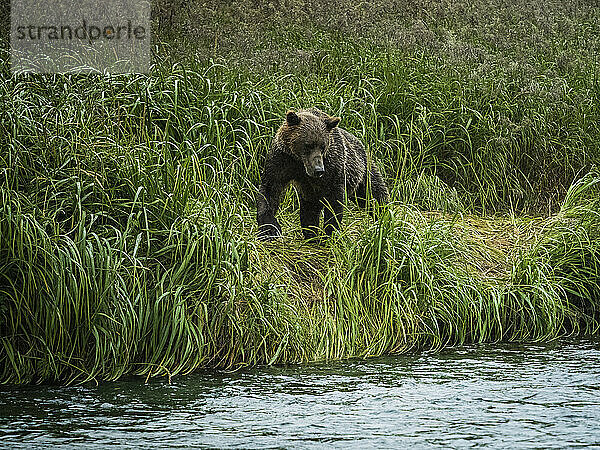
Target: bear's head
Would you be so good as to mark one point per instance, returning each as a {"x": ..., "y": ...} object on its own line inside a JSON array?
[{"x": 306, "y": 135}]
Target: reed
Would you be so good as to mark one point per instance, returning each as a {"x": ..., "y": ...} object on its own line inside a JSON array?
[{"x": 127, "y": 228}]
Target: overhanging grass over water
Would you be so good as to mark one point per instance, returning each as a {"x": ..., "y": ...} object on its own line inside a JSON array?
[{"x": 127, "y": 228}]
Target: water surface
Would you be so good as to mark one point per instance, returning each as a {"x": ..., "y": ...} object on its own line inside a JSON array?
[{"x": 535, "y": 395}]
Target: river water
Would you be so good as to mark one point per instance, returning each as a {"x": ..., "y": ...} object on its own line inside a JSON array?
[{"x": 501, "y": 395}]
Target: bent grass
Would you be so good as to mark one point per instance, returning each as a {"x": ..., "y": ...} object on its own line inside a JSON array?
[
  {"x": 127, "y": 220},
  {"x": 85, "y": 306}
]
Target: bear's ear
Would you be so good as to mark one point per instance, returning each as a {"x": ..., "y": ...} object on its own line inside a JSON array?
[
  {"x": 292, "y": 118},
  {"x": 332, "y": 122}
]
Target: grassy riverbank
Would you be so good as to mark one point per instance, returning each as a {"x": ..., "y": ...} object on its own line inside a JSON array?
[{"x": 127, "y": 229}]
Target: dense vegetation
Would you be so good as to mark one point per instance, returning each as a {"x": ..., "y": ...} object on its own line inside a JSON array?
[{"x": 127, "y": 229}]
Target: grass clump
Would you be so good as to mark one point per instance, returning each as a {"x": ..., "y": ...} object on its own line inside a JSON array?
[{"x": 127, "y": 213}]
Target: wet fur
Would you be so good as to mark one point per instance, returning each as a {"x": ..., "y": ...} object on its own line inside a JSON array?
[{"x": 347, "y": 172}]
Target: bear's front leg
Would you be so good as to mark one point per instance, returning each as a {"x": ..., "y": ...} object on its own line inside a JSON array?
[
  {"x": 276, "y": 176},
  {"x": 268, "y": 228},
  {"x": 334, "y": 211},
  {"x": 267, "y": 205},
  {"x": 310, "y": 213}
]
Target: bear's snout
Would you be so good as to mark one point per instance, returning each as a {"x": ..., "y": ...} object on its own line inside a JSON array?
[{"x": 314, "y": 166}]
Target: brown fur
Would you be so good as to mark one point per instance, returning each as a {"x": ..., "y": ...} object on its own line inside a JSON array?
[{"x": 325, "y": 163}]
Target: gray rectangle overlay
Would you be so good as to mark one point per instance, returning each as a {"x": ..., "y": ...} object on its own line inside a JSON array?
[{"x": 80, "y": 36}]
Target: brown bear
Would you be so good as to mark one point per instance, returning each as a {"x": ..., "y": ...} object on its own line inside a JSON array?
[{"x": 325, "y": 163}]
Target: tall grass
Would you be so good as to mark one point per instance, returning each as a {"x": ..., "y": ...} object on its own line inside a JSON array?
[{"x": 127, "y": 229}]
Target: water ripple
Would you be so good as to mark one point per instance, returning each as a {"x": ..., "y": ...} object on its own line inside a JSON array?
[{"x": 490, "y": 395}]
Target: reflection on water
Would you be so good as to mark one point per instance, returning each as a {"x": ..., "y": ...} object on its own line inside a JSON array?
[{"x": 499, "y": 395}]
